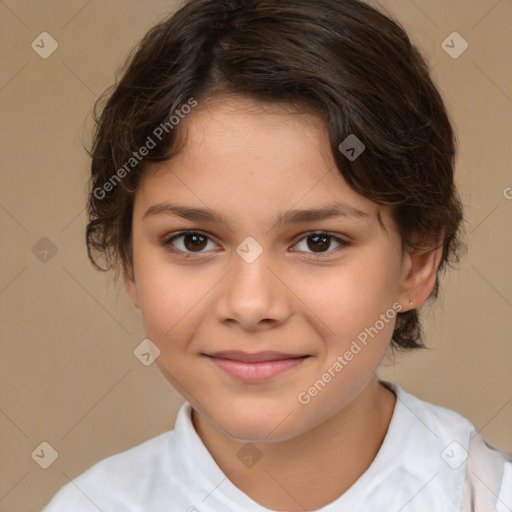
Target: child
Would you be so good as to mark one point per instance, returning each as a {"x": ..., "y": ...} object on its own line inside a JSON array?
[{"x": 275, "y": 178}]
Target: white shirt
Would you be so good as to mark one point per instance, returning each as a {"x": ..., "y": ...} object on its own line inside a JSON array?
[{"x": 422, "y": 465}]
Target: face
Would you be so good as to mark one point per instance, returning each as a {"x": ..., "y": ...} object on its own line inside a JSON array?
[{"x": 249, "y": 311}]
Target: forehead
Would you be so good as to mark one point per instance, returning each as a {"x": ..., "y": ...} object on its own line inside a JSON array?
[
  {"x": 238, "y": 125},
  {"x": 241, "y": 156}
]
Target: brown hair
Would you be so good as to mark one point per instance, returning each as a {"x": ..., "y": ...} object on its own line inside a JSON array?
[{"x": 342, "y": 59}]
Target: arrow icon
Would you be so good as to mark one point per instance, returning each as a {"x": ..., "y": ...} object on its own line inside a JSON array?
[
  {"x": 146, "y": 352},
  {"x": 454, "y": 455},
  {"x": 44, "y": 45},
  {"x": 249, "y": 455},
  {"x": 44, "y": 455},
  {"x": 352, "y": 147},
  {"x": 249, "y": 253},
  {"x": 454, "y": 45},
  {"x": 44, "y": 250}
]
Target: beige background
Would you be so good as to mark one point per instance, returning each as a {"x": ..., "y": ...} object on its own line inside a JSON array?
[{"x": 68, "y": 375}]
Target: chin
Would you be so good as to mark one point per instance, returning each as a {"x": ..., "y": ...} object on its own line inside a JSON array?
[
  {"x": 250, "y": 432},
  {"x": 258, "y": 423}
]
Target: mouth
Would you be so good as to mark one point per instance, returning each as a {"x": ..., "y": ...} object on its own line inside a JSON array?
[{"x": 255, "y": 367}]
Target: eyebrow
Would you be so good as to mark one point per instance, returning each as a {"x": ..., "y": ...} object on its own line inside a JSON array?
[{"x": 290, "y": 217}]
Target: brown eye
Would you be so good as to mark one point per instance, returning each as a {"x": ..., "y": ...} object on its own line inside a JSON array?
[
  {"x": 194, "y": 242},
  {"x": 188, "y": 242},
  {"x": 320, "y": 243}
]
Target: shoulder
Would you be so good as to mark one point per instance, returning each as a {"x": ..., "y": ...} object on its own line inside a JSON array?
[
  {"x": 488, "y": 478},
  {"x": 450, "y": 446},
  {"x": 118, "y": 480}
]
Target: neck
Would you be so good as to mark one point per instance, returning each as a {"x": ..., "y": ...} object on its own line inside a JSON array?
[{"x": 313, "y": 469}]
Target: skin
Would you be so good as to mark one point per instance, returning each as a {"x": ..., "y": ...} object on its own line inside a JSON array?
[{"x": 251, "y": 162}]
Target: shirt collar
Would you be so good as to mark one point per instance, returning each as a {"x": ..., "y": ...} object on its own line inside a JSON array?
[{"x": 411, "y": 452}]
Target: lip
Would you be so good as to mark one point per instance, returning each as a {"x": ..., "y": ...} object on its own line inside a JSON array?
[{"x": 255, "y": 367}]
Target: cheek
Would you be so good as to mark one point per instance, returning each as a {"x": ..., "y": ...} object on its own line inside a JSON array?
[
  {"x": 350, "y": 298},
  {"x": 170, "y": 301},
  {"x": 355, "y": 308}
]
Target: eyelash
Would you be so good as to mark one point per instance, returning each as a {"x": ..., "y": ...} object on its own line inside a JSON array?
[{"x": 168, "y": 243}]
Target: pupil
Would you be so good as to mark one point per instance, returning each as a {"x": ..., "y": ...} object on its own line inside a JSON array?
[
  {"x": 320, "y": 242},
  {"x": 194, "y": 244}
]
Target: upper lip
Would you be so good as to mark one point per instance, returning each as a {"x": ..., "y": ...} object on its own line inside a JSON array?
[{"x": 255, "y": 357}]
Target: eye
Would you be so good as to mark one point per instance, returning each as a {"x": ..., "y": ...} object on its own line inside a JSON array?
[
  {"x": 320, "y": 242},
  {"x": 188, "y": 242}
]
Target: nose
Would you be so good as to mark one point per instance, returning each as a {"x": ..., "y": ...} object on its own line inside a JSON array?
[{"x": 252, "y": 297}]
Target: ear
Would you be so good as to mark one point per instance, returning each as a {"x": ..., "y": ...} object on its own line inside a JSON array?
[
  {"x": 131, "y": 286},
  {"x": 419, "y": 275}
]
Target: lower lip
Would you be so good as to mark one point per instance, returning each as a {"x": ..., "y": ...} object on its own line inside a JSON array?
[{"x": 256, "y": 372}]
